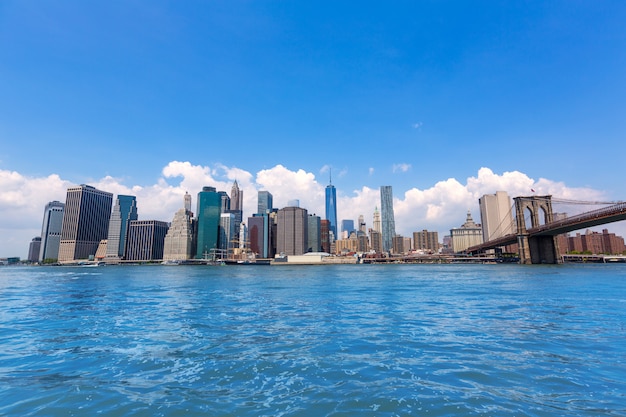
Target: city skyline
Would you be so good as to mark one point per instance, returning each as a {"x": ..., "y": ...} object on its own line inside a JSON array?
[{"x": 445, "y": 102}]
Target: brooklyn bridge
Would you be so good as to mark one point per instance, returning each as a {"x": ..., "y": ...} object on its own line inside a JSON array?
[{"x": 537, "y": 242}]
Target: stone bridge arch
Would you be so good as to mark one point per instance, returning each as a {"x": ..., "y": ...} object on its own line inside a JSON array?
[{"x": 536, "y": 249}]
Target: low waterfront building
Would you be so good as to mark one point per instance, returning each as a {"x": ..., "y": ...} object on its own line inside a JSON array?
[
  {"x": 469, "y": 234},
  {"x": 426, "y": 241}
]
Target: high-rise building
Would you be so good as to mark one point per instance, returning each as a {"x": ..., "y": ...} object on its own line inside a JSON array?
[
  {"x": 426, "y": 241},
  {"x": 34, "y": 248},
  {"x": 362, "y": 225},
  {"x": 496, "y": 215},
  {"x": 376, "y": 223},
  {"x": 187, "y": 200},
  {"x": 331, "y": 209},
  {"x": 260, "y": 234},
  {"x": 347, "y": 227},
  {"x": 178, "y": 243},
  {"x": 85, "y": 222},
  {"x": 399, "y": 245},
  {"x": 236, "y": 208},
  {"x": 224, "y": 201},
  {"x": 376, "y": 241},
  {"x": 388, "y": 223},
  {"x": 124, "y": 210},
  {"x": 314, "y": 229},
  {"x": 324, "y": 235},
  {"x": 226, "y": 233},
  {"x": 145, "y": 240},
  {"x": 292, "y": 231},
  {"x": 469, "y": 234},
  {"x": 265, "y": 202},
  {"x": 207, "y": 221},
  {"x": 51, "y": 231},
  {"x": 236, "y": 197}
]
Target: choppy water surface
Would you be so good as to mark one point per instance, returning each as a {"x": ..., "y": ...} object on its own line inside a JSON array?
[{"x": 348, "y": 340}]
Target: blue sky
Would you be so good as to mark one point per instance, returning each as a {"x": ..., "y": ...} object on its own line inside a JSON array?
[{"x": 443, "y": 100}]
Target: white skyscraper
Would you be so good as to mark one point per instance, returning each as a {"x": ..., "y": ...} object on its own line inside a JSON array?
[
  {"x": 496, "y": 215},
  {"x": 376, "y": 223},
  {"x": 187, "y": 201}
]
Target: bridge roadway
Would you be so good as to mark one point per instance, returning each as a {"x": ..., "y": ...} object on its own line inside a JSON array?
[{"x": 610, "y": 214}]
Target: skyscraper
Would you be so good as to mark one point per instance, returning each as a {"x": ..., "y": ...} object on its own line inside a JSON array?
[
  {"x": 187, "y": 200},
  {"x": 388, "y": 223},
  {"x": 34, "y": 248},
  {"x": 314, "y": 232},
  {"x": 178, "y": 243},
  {"x": 265, "y": 202},
  {"x": 331, "y": 208},
  {"x": 85, "y": 222},
  {"x": 226, "y": 232},
  {"x": 324, "y": 238},
  {"x": 292, "y": 232},
  {"x": 347, "y": 227},
  {"x": 236, "y": 209},
  {"x": 236, "y": 197},
  {"x": 124, "y": 210},
  {"x": 145, "y": 240},
  {"x": 51, "y": 231},
  {"x": 208, "y": 221},
  {"x": 376, "y": 223},
  {"x": 362, "y": 225},
  {"x": 496, "y": 215}
]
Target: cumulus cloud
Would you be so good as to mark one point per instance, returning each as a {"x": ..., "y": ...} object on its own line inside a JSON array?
[{"x": 437, "y": 208}]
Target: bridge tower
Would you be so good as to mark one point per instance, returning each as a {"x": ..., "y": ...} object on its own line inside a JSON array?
[{"x": 535, "y": 249}]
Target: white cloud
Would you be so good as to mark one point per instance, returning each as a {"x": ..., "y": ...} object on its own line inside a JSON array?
[
  {"x": 401, "y": 167},
  {"x": 438, "y": 208}
]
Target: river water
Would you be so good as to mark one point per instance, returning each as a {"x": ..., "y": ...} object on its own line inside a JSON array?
[{"x": 367, "y": 340}]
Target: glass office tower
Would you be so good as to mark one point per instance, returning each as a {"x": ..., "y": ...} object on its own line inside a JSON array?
[
  {"x": 331, "y": 208},
  {"x": 208, "y": 222},
  {"x": 388, "y": 223},
  {"x": 124, "y": 210}
]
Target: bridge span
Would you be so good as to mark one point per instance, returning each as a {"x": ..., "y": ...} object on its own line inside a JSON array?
[{"x": 538, "y": 244}]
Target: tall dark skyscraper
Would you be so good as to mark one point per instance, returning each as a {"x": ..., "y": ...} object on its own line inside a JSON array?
[
  {"x": 292, "y": 231},
  {"x": 388, "y": 223},
  {"x": 124, "y": 210},
  {"x": 208, "y": 222},
  {"x": 51, "y": 230},
  {"x": 85, "y": 222},
  {"x": 331, "y": 208}
]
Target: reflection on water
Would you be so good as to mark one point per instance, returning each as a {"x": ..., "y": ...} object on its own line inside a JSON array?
[{"x": 337, "y": 340}]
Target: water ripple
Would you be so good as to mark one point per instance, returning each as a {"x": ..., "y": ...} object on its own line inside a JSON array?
[{"x": 336, "y": 341}]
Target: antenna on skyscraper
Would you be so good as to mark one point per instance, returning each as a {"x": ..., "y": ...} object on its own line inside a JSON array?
[{"x": 330, "y": 175}]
